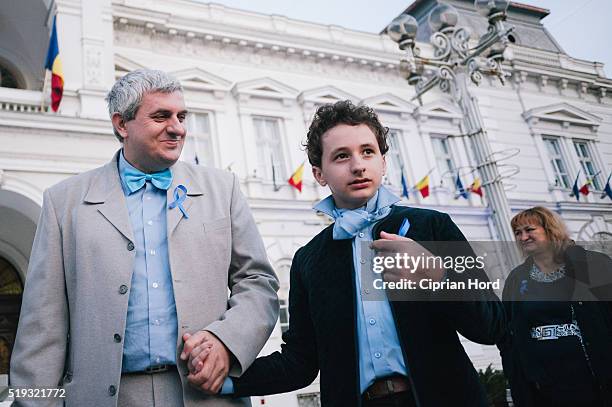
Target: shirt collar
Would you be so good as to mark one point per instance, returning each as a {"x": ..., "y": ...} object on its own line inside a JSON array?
[{"x": 381, "y": 199}]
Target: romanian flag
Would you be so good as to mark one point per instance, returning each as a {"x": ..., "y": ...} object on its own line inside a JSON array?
[
  {"x": 423, "y": 186},
  {"x": 584, "y": 190},
  {"x": 476, "y": 187},
  {"x": 54, "y": 64},
  {"x": 296, "y": 178}
]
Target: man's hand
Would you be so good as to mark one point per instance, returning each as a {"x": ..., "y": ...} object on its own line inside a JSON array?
[
  {"x": 390, "y": 244},
  {"x": 208, "y": 361}
]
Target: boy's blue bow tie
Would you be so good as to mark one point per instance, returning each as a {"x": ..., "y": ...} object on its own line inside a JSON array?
[
  {"x": 349, "y": 223},
  {"x": 136, "y": 179}
]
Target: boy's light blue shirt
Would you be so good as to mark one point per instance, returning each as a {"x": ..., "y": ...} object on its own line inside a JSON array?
[
  {"x": 379, "y": 349},
  {"x": 380, "y": 352}
]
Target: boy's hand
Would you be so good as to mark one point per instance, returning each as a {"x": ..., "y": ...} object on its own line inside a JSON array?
[{"x": 389, "y": 244}]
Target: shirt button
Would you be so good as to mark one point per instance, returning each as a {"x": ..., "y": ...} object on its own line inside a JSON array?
[
  {"x": 150, "y": 222},
  {"x": 117, "y": 338},
  {"x": 155, "y": 285},
  {"x": 361, "y": 234},
  {"x": 377, "y": 355},
  {"x": 152, "y": 252},
  {"x": 123, "y": 289},
  {"x": 372, "y": 321},
  {"x": 156, "y": 322},
  {"x": 148, "y": 198},
  {"x": 362, "y": 261},
  {"x": 157, "y": 360},
  {"x": 112, "y": 390},
  {"x": 130, "y": 246},
  {"x": 367, "y": 291},
  {"x": 579, "y": 302}
]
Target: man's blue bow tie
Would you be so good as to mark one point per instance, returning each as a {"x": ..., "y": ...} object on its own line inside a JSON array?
[{"x": 136, "y": 179}]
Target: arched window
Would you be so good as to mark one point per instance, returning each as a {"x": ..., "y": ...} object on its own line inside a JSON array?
[
  {"x": 7, "y": 79},
  {"x": 11, "y": 289}
]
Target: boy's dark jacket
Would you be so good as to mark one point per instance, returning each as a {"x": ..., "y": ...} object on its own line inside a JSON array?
[{"x": 322, "y": 331}]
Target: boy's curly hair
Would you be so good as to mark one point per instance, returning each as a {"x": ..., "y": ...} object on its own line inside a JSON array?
[{"x": 342, "y": 112}]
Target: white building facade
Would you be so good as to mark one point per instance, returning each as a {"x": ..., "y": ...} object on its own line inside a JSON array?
[{"x": 252, "y": 83}]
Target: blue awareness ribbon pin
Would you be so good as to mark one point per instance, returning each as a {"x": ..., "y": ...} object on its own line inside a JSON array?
[
  {"x": 404, "y": 228},
  {"x": 179, "y": 199},
  {"x": 523, "y": 287}
]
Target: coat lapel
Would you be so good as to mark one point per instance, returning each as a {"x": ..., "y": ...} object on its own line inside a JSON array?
[
  {"x": 105, "y": 191},
  {"x": 181, "y": 175}
]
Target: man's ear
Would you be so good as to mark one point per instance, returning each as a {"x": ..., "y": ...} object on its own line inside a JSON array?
[
  {"x": 316, "y": 172},
  {"x": 119, "y": 125}
]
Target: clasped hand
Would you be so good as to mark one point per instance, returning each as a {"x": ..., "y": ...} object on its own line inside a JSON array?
[{"x": 208, "y": 361}]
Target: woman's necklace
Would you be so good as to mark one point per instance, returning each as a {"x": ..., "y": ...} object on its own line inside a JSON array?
[{"x": 538, "y": 275}]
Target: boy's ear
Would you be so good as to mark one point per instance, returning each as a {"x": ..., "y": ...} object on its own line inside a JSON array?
[
  {"x": 316, "y": 172},
  {"x": 119, "y": 125}
]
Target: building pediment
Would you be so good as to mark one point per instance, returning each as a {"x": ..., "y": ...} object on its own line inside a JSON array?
[
  {"x": 124, "y": 65},
  {"x": 388, "y": 102},
  {"x": 563, "y": 113},
  {"x": 199, "y": 79},
  {"x": 325, "y": 94},
  {"x": 441, "y": 109},
  {"x": 266, "y": 88}
]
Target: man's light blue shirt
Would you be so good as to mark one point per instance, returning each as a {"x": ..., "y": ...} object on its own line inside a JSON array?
[
  {"x": 380, "y": 352},
  {"x": 151, "y": 327}
]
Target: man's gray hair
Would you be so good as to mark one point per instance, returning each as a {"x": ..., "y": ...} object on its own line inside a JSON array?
[{"x": 126, "y": 95}]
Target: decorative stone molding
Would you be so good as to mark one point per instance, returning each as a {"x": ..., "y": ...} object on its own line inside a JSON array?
[
  {"x": 390, "y": 103},
  {"x": 324, "y": 94},
  {"x": 594, "y": 230},
  {"x": 564, "y": 114},
  {"x": 313, "y": 98},
  {"x": 440, "y": 109},
  {"x": 360, "y": 58},
  {"x": 265, "y": 88},
  {"x": 199, "y": 79},
  {"x": 124, "y": 65}
]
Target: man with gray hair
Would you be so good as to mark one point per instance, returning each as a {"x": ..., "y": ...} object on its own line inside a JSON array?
[{"x": 132, "y": 263}]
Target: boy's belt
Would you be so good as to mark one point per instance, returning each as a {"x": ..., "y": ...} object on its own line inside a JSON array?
[{"x": 386, "y": 387}]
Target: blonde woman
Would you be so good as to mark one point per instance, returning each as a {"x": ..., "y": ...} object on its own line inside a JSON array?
[{"x": 558, "y": 350}]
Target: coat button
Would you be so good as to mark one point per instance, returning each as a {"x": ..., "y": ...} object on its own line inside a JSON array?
[
  {"x": 117, "y": 338},
  {"x": 112, "y": 390},
  {"x": 67, "y": 378},
  {"x": 130, "y": 246},
  {"x": 123, "y": 289}
]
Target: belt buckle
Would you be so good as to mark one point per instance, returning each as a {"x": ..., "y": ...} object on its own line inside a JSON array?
[
  {"x": 390, "y": 390},
  {"x": 156, "y": 369}
]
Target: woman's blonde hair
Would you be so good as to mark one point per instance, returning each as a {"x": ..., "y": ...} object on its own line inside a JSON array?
[{"x": 553, "y": 226}]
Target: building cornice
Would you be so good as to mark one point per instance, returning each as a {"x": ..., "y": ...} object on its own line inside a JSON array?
[{"x": 259, "y": 32}]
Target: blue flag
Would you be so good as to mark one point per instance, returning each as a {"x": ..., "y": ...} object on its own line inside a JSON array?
[
  {"x": 404, "y": 185},
  {"x": 607, "y": 190},
  {"x": 460, "y": 190},
  {"x": 575, "y": 189}
]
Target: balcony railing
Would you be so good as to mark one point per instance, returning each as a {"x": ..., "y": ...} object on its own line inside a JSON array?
[{"x": 21, "y": 100}]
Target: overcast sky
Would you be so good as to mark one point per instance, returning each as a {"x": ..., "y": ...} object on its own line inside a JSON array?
[{"x": 582, "y": 27}]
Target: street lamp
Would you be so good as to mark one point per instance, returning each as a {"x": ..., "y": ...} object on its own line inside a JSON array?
[{"x": 453, "y": 62}]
